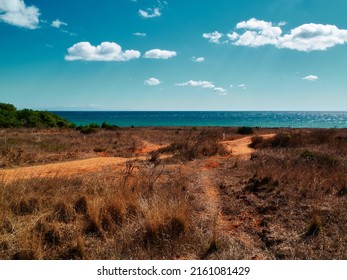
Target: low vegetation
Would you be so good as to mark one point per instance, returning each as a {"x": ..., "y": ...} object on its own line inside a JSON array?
[
  {"x": 188, "y": 200},
  {"x": 245, "y": 130}
]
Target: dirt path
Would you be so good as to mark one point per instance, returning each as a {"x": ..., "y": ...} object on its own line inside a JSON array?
[
  {"x": 238, "y": 148},
  {"x": 64, "y": 168},
  {"x": 147, "y": 147}
]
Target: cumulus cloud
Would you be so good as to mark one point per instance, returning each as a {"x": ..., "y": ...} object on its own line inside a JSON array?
[
  {"x": 306, "y": 37},
  {"x": 198, "y": 59},
  {"x": 311, "y": 78},
  {"x": 259, "y": 33},
  {"x": 152, "y": 82},
  {"x": 203, "y": 84},
  {"x": 17, "y": 13},
  {"x": 213, "y": 37},
  {"x": 159, "y": 54},
  {"x": 57, "y": 23},
  {"x": 140, "y": 34},
  {"x": 233, "y": 36},
  {"x": 150, "y": 13},
  {"x": 242, "y": 86},
  {"x": 313, "y": 37},
  {"x": 106, "y": 51}
]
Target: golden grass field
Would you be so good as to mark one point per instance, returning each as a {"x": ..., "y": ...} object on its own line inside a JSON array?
[{"x": 173, "y": 193}]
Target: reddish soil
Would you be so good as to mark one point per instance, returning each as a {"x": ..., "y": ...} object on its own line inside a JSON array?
[{"x": 237, "y": 148}]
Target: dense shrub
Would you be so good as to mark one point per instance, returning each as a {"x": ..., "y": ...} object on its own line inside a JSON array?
[
  {"x": 10, "y": 117},
  {"x": 107, "y": 126}
]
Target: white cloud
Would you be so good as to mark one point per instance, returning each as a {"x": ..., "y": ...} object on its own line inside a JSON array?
[
  {"x": 306, "y": 37},
  {"x": 15, "y": 12},
  {"x": 160, "y": 54},
  {"x": 213, "y": 37},
  {"x": 106, "y": 51},
  {"x": 140, "y": 34},
  {"x": 150, "y": 13},
  {"x": 152, "y": 82},
  {"x": 233, "y": 36},
  {"x": 311, "y": 78},
  {"x": 57, "y": 23},
  {"x": 231, "y": 86},
  {"x": 242, "y": 86},
  {"x": 203, "y": 84},
  {"x": 260, "y": 33},
  {"x": 198, "y": 59},
  {"x": 313, "y": 37},
  {"x": 220, "y": 90}
]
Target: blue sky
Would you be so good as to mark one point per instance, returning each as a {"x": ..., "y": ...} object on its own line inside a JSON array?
[{"x": 174, "y": 54}]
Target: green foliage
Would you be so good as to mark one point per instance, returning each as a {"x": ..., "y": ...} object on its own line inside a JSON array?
[
  {"x": 93, "y": 127},
  {"x": 87, "y": 129},
  {"x": 10, "y": 117},
  {"x": 107, "y": 126}
]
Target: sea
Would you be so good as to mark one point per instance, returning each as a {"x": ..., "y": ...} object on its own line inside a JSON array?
[{"x": 209, "y": 118}]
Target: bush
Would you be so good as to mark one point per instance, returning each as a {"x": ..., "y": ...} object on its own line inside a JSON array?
[
  {"x": 87, "y": 129},
  {"x": 245, "y": 130},
  {"x": 320, "y": 158},
  {"x": 10, "y": 117},
  {"x": 283, "y": 140},
  {"x": 107, "y": 126},
  {"x": 256, "y": 142},
  {"x": 206, "y": 143},
  {"x": 93, "y": 125}
]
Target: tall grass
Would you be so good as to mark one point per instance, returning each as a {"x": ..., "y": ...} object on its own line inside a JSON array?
[{"x": 99, "y": 217}]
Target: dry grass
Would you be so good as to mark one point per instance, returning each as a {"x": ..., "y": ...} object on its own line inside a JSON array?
[
  {"x": 298, "y": 191},
  {"x": 103, "y": 217},
  {"x": 288, "y": 202}
]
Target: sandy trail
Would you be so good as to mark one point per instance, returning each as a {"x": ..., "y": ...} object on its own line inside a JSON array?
[
  {"x": 147, "y": 148},
  {"x": 61, "y": 169},
  {"x": 238, "y": 148}
]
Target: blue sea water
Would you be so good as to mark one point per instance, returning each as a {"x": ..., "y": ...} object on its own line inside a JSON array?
[{"x": 213, "y": 118}]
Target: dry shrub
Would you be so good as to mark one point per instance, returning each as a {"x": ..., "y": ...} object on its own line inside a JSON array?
[
  {"x": 92, "y": 226},
  {"x": 257, "y": 185},
  {"x": 194, "y": 146},
  {"x": 81, "y": 205},
  {"x": 256, "y": 142},
  {"x": 315, "y": 227},
  {"x": 29, "y": 248},
  {"x": 63, "y": 212},
  {"x": 25, "y": 206},
  {"x": 169, "y": 230},
  {"x": 283, "y": 140},
  {"x": 323, "y": 159},
  {"x": 75, "y": 251},
  {"x": 244, "y": 130},
  {"x": 111, "y": 216},
  {"x": 51, "y": 236}
]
